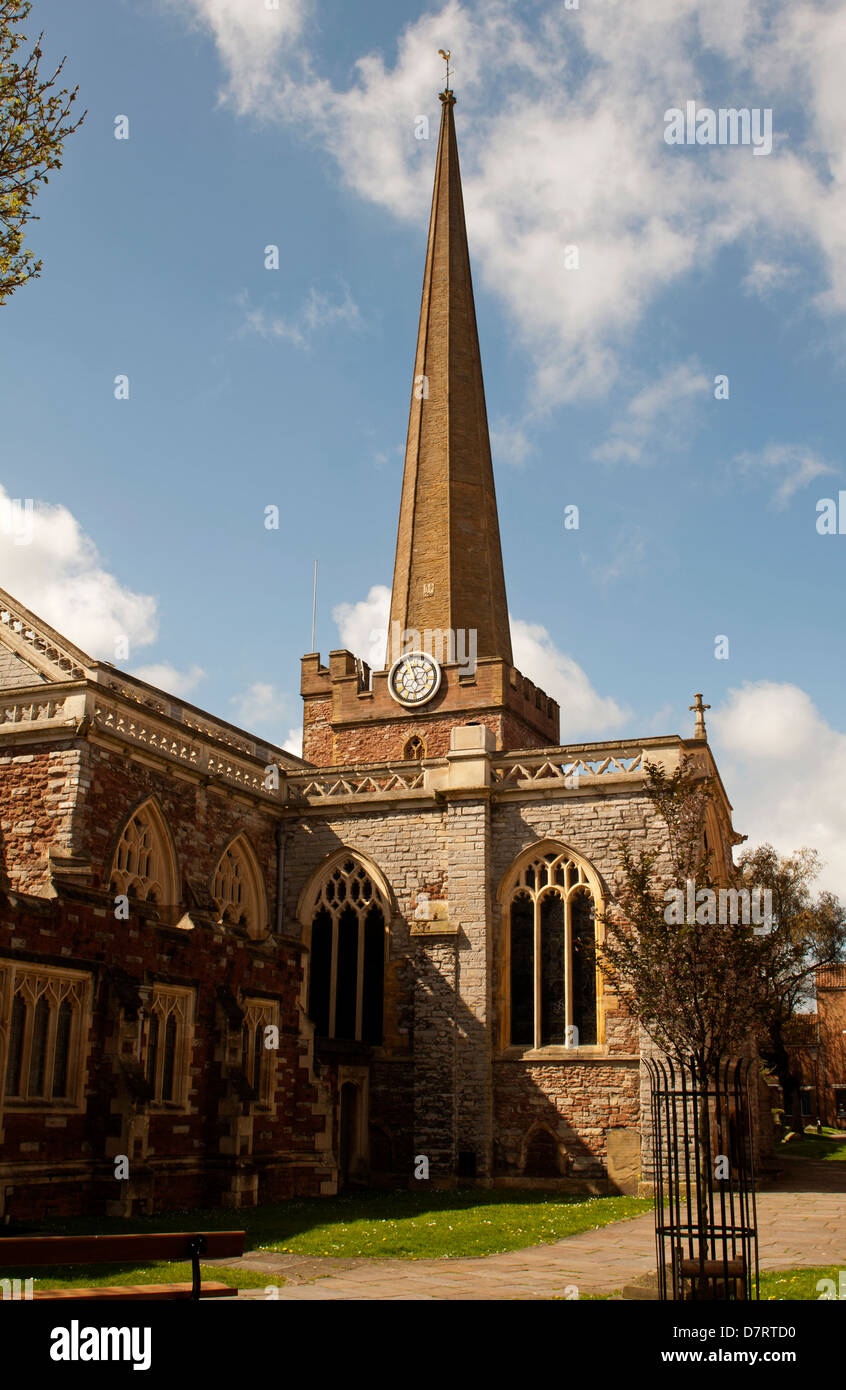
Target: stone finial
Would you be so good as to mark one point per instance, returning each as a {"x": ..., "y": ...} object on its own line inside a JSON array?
[{"x": 699, "y": 709}]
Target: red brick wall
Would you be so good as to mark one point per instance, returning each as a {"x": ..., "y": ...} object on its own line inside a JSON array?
[
  {"x": 185, "y": 1165},
  {"x": 201, "y": 819},
  {"x": 350, "y": 717},
  {"x": 378, "y": 743},
  {"x": 579, "y": 1102},
  {"x": 38, "y": 790}
]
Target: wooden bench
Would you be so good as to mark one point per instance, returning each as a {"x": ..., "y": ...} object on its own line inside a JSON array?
[
  {"x": 38, "y": 1252},
  {"x": 726, "y": 1274}
]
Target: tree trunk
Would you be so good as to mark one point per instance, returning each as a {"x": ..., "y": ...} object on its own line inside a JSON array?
[{"x": 703, "y": 1186}]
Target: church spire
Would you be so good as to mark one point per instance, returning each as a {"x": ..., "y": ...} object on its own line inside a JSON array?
[{"x": 448, "y": 571}]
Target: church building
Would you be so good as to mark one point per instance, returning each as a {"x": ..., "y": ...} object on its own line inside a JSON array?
[{"x": 229, "y": 975}]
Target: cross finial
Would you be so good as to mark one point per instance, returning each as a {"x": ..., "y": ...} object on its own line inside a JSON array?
[
  {"x": 699, "y": 708},
  {"x": 446, "y": 54}
]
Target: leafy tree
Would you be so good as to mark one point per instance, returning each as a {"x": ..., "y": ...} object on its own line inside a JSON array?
[
  {"x": 807, "y": 932},
  {"x": 34, "y": 124},
  {"x": 703, "y": 989},
  {"x": 695, "y": 985}
]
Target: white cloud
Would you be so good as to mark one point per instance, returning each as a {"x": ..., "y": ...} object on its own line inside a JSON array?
[
  {"x": 585, "y": 714},
  {"x": 561, "y": 117},
  {"x": 265, "y": 711},
  {"x": 251, "y": 38},
  {"x": 509, "y": 444},
  {"x": 294, "y": 742},
  {"x": 662, "y": 410},
  {"x": 363, "y": 626},
  {"x": 168, "y": 678},
  {"x": 784, "y": 768},
  {"x": 260, "y": 706},
  {"x": 50, "y": 564},
  {"x": 766, "y": 276},
  {"x": 319, "y": 311},
  {"x": 798, "y": 465}
]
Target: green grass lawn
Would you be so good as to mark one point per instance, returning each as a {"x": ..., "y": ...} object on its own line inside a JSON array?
[
  {"x": 812, "y": 1145},
  {"x": 110, "y": 1276},
  {"x": 403, "y": 1224},
  {"x": 446, "y": 1225},
  {"x": 775, "y": 1285},
  {"x": 795, "y": 1284}
]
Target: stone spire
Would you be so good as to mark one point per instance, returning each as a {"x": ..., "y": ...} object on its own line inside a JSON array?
[{"x": 448, "y": 570}]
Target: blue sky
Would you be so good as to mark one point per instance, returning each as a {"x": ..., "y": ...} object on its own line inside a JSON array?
[{"x": 295, "y": 126}]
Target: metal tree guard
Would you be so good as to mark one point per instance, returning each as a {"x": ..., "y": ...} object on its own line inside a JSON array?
[{"x": 706, "y": 1233}]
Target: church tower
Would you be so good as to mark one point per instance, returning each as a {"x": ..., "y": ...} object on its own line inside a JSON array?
[{"x": 448, "y": 650}]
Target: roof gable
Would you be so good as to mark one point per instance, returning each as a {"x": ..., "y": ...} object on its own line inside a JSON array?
[{"x": 32, "y": 653}]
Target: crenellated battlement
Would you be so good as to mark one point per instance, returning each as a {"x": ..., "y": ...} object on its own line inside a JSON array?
[{"x": 350, "y": 715}]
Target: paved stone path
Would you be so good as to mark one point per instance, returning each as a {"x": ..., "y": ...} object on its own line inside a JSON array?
[{"x": 801, "y": 1221}]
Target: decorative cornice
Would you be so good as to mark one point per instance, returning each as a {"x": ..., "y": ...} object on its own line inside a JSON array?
[
  {"x": 199, "y": 750},
  {"x": 541, "y": 770},
  {"x": 26, "y": 710},
  {"x": 364, "y": 784},
  {"x": 90, "y": 709}
]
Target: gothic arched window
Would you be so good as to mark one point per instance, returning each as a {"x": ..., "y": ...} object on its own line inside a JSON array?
[
  {"x": 347, "y": 965},
  {"x": 415, "y": 749},
  {"x": 169, "y": 1044},
  {"x": 258, "y": 1059},
  {"x": 45, "y": 1030},
  {"x": 143, "y": 866},
  {"x": 238, "y": 890},
  {"x": 551, "y": 940}
]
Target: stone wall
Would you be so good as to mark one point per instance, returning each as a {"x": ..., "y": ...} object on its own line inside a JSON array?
[{"x": 475, "y": 1105}]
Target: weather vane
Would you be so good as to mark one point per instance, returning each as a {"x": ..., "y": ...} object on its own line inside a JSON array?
[{"x": 446, "y": 54}]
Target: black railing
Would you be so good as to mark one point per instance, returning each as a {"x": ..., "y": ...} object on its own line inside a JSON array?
[{"x": 706, "y": 1232}]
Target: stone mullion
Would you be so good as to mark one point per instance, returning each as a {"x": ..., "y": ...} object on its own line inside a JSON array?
[
  {"x": 536, "y": 972},
  {"x": 568, "y": 969}
]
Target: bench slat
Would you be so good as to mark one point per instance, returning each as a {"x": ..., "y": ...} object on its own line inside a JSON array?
[
  {"x": 709, "y": 1269},
  {"x": 33, "y": 1252},
  {"x": 145, "y": 1291}
]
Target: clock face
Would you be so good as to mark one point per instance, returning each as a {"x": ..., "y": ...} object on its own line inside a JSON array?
[{"x": 414, "y": 679}]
